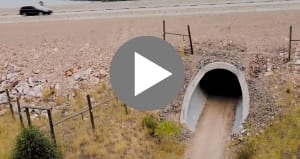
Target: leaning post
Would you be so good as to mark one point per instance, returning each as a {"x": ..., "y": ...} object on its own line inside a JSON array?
[
  {"x": 9, "y": 103},
  {"x": 28, "y": 116},
  {"x": 190, "y": 38},
  {"x": 91, "y": 112},
  {"x": 19, "y": 111},
  {"x": 51, "y": 126}
]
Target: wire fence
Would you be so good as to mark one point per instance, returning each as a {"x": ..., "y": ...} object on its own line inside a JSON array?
[
  {"x": 290, "y": 42},
  {"x": 26, "y": 109},
  {"x": 178, "y": 34}
]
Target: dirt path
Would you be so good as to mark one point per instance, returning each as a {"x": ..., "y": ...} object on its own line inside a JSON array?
[{"x": 213, "y": 128}]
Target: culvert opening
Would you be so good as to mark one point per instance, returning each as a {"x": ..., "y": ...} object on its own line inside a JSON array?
[
  {"x": 217, "y": 79},
  {"x": 222, "y": 83},
  {"x": 215, "y": 104}
]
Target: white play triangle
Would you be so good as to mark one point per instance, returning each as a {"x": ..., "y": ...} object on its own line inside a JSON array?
[{"x": 147, "y": 74}]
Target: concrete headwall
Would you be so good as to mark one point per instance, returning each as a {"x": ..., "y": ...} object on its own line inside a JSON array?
[{"x": 195, "y": 99}]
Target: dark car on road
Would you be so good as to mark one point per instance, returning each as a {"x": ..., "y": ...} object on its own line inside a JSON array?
[{"x": 31, "y": 11}]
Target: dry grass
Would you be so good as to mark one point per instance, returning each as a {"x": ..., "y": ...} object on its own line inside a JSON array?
[
  {"x": 280, "y": 140},
  {"x": 9, "y": 130},
  {"x": 117, "y": 135},
  {"x": 47, "y": 93},
  {"x": 59, "y": 101},
  {"x": 79, "y": 101}
]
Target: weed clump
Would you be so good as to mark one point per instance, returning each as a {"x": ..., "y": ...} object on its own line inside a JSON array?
[
  {"x": 47, "y": 94},
  {"x": 150, "y": 122},
  {"x": 166, "y": 130}
]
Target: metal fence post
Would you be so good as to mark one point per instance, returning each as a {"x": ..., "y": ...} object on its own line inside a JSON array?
[
  {"x": 190, "y": 38},
  {"x": 164, "y": 30},
  {"x": 91, "y": 112},
  {"x": 290, "y": 43},
  {"x": 28, "y": 116},
  {"x": 19, "y": 110},
  {"x": 9, "y": 103},
  {"x": 51, "y": 126}
]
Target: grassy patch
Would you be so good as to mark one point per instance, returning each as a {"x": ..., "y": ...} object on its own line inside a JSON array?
[
  {"x": 9, "y": 130},
  {"x": 118, "y": 134},
  {"x": 279, "y": 141}
]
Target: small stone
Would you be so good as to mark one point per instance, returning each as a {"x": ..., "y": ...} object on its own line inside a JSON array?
[
  {"x": 36, "y": 71},
  {"x": 268, "y": 73},
  {"x": 77, "y": 77},
  {"x": 57, "y": 86},
  {"x": 30, "y": 83},
  {"x": 11, "y": 76},
  {"x": 243, "y": 131},
  {"x": 3, "y": 98},
  {"x": 69, "y": 73},
  {"x": 37, "y": 91},
  {"x": 297, "y": 62},
  {"x": 103, "y": 72}
]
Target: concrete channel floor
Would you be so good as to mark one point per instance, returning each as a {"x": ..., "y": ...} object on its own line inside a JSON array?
[{"x": 213, "y": 129}]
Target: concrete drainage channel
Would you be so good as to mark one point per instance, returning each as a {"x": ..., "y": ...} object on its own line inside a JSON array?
[{"x": 215, "y": 79}]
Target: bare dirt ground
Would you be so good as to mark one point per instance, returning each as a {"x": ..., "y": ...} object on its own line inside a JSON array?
[{"x": 213, "y": 129}]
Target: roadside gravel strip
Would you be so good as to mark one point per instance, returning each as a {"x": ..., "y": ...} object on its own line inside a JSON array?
[{"x": 145, "y": 8}]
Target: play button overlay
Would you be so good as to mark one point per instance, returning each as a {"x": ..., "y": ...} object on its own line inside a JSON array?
[{"x": 146, "y": 73}]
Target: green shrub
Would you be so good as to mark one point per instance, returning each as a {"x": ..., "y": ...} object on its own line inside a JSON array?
[
  {"x": 32, "y": 143},
  {"x": 166, "y": 130},
  {"x": 150, "y": 122}
]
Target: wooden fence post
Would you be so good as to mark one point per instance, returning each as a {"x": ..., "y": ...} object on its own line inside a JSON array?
[
  {"x": 9, "y": 103},
  {"x": 20, "y": 113},
  {"x": 290, "y": 43},
  {"x": 51, "y": 126},
  {"x": 190, "y": 38},
  {"x": 126, "y": 109},
  {"x": 91, "y": 112},
  {"x": 28, "y": 116},
  {"x": 164, "y": 30}
]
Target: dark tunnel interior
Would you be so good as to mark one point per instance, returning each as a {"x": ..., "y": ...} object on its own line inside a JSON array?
[{"x": 221, "y": 82}]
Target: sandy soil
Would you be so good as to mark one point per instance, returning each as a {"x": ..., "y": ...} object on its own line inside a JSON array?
[{"x": 213, "y": 129}]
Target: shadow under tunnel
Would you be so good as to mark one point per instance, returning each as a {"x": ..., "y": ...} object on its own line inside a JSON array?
[{"x": 222, "y": 83}]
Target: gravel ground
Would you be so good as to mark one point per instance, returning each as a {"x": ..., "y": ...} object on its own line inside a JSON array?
[{"x": 45, "y": 51}]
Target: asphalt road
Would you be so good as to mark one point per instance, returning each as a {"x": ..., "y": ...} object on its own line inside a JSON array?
[{"x": 142, "y": 8}]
